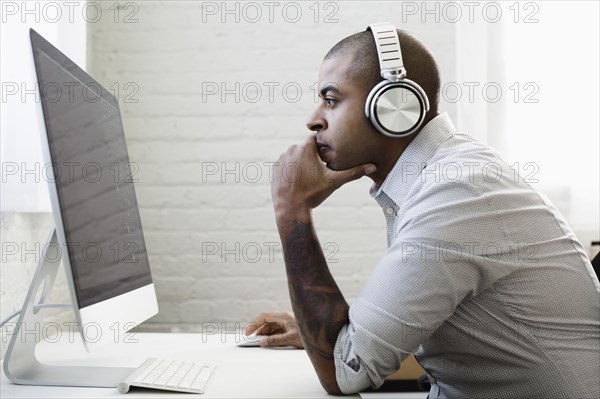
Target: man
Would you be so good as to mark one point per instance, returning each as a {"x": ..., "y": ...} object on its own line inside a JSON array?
[{"x": 483, "y": 280}]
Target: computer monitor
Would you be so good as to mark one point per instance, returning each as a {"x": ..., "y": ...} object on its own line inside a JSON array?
[
  {"x": 97, "y": 222},
  {"x": 92, "y": 193}
]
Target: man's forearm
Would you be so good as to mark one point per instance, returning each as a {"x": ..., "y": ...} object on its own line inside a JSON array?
[{"x": 320, "y": 308}]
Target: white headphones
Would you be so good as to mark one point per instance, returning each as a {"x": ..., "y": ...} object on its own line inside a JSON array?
[{"x": 396, "y": 106}]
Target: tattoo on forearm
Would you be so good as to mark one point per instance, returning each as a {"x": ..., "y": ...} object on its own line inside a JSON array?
[{"x": 320, "y": 308}]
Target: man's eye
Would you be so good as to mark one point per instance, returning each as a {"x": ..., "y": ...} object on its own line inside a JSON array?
[{"x": 329, "y": 101}]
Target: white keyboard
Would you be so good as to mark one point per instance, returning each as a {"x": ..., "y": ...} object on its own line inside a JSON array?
[{"x": 170, "y": 375}]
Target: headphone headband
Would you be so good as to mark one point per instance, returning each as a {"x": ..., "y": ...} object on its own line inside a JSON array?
[
  {"x": 388, "y": 51},
  {"x": 396, "y": 106}
]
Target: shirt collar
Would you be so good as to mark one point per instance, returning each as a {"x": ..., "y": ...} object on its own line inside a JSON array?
[{"x": 412, "y": 161}]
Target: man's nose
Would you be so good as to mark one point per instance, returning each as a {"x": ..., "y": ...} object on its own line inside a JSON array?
[{"x": 316, "y": 122}]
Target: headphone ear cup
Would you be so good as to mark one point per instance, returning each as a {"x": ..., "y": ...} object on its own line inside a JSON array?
[{"x": 397, "y": 109}]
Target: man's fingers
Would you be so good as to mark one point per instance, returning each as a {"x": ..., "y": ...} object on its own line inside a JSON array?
[
  {"x": 270, "y": 329},
  {"x": 311, "y": 144},
  {"x": 265, "y": 324},
  {"x": 344, "y": 176},
  {"x": 252, "y": 327},
  {"x": 258, "y": 322},
  {"x": 311, "y": 138},
  {"x": 275, "y": 340}
]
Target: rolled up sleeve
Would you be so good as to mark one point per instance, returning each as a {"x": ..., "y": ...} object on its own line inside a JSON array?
[
  {"x": 405, "y": 300},
  {"x": 354, "y": 372}
]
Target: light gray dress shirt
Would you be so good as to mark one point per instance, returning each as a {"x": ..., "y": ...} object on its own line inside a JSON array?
[{"x": 483, "y": 281}]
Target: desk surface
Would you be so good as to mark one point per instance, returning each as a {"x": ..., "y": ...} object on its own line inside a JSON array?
[{"x": 241, "y": 372}]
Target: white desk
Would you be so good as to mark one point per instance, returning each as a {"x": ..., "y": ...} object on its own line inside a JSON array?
[{"x": 241, "y": 372}]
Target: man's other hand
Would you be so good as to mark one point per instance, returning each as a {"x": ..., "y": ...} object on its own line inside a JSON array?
[{"x": 279, "y": 329}]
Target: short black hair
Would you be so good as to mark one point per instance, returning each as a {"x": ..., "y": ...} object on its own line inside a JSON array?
[{"x": 420, "y": 64}]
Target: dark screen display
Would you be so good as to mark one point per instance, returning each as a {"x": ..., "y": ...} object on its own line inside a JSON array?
[{"x": 94, "y": 179}]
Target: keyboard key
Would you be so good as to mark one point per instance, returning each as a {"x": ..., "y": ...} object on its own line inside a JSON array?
[
  {"x": 191, "y": 376},
  {"x": 148, "y": 370},
  {"x": 168, "y": 373},
  {"x": 156, "y": 373},
  {"x": 178, "y": 376},
  {"x": 202, "y": 378}
]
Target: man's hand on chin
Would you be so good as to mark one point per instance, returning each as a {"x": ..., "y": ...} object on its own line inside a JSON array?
[{"x": 301, "y": 181}]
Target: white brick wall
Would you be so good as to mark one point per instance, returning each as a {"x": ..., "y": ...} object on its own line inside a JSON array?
[{"x": 189, "y": 210}]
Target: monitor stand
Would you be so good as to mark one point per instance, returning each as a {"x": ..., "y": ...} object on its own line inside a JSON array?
[{"x": 20, "y": 363}]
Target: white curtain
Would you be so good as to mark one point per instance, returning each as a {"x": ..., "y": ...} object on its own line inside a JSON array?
[{"x": 544, "y": 58}]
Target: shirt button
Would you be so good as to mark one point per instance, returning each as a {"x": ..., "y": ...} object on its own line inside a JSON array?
[{"x": 390, "y": 211}]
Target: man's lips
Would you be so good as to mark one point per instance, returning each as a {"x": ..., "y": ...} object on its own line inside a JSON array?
[{"x": 323, "y": 148}]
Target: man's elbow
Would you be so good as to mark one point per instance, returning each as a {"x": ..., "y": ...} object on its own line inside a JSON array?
[
  {"x": 331, "y": 387},
  {"x": 329, "y": 383}
]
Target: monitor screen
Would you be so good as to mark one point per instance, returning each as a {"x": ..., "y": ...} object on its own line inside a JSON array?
[{"x": 94, "y": 179}]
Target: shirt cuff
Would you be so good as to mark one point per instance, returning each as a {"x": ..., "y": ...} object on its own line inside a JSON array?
[{"x": 350, "y": 375}]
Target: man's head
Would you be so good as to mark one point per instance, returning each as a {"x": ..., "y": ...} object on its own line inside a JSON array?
[{"x": 350, "y": 70}]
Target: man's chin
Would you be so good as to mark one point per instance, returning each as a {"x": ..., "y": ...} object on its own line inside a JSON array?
[
  {"x": 337, "y": 166},
  {"x": 332, "y": 166}
]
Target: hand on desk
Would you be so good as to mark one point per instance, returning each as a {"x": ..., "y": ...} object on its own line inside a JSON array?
[{"x": 279, "y": 327}]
